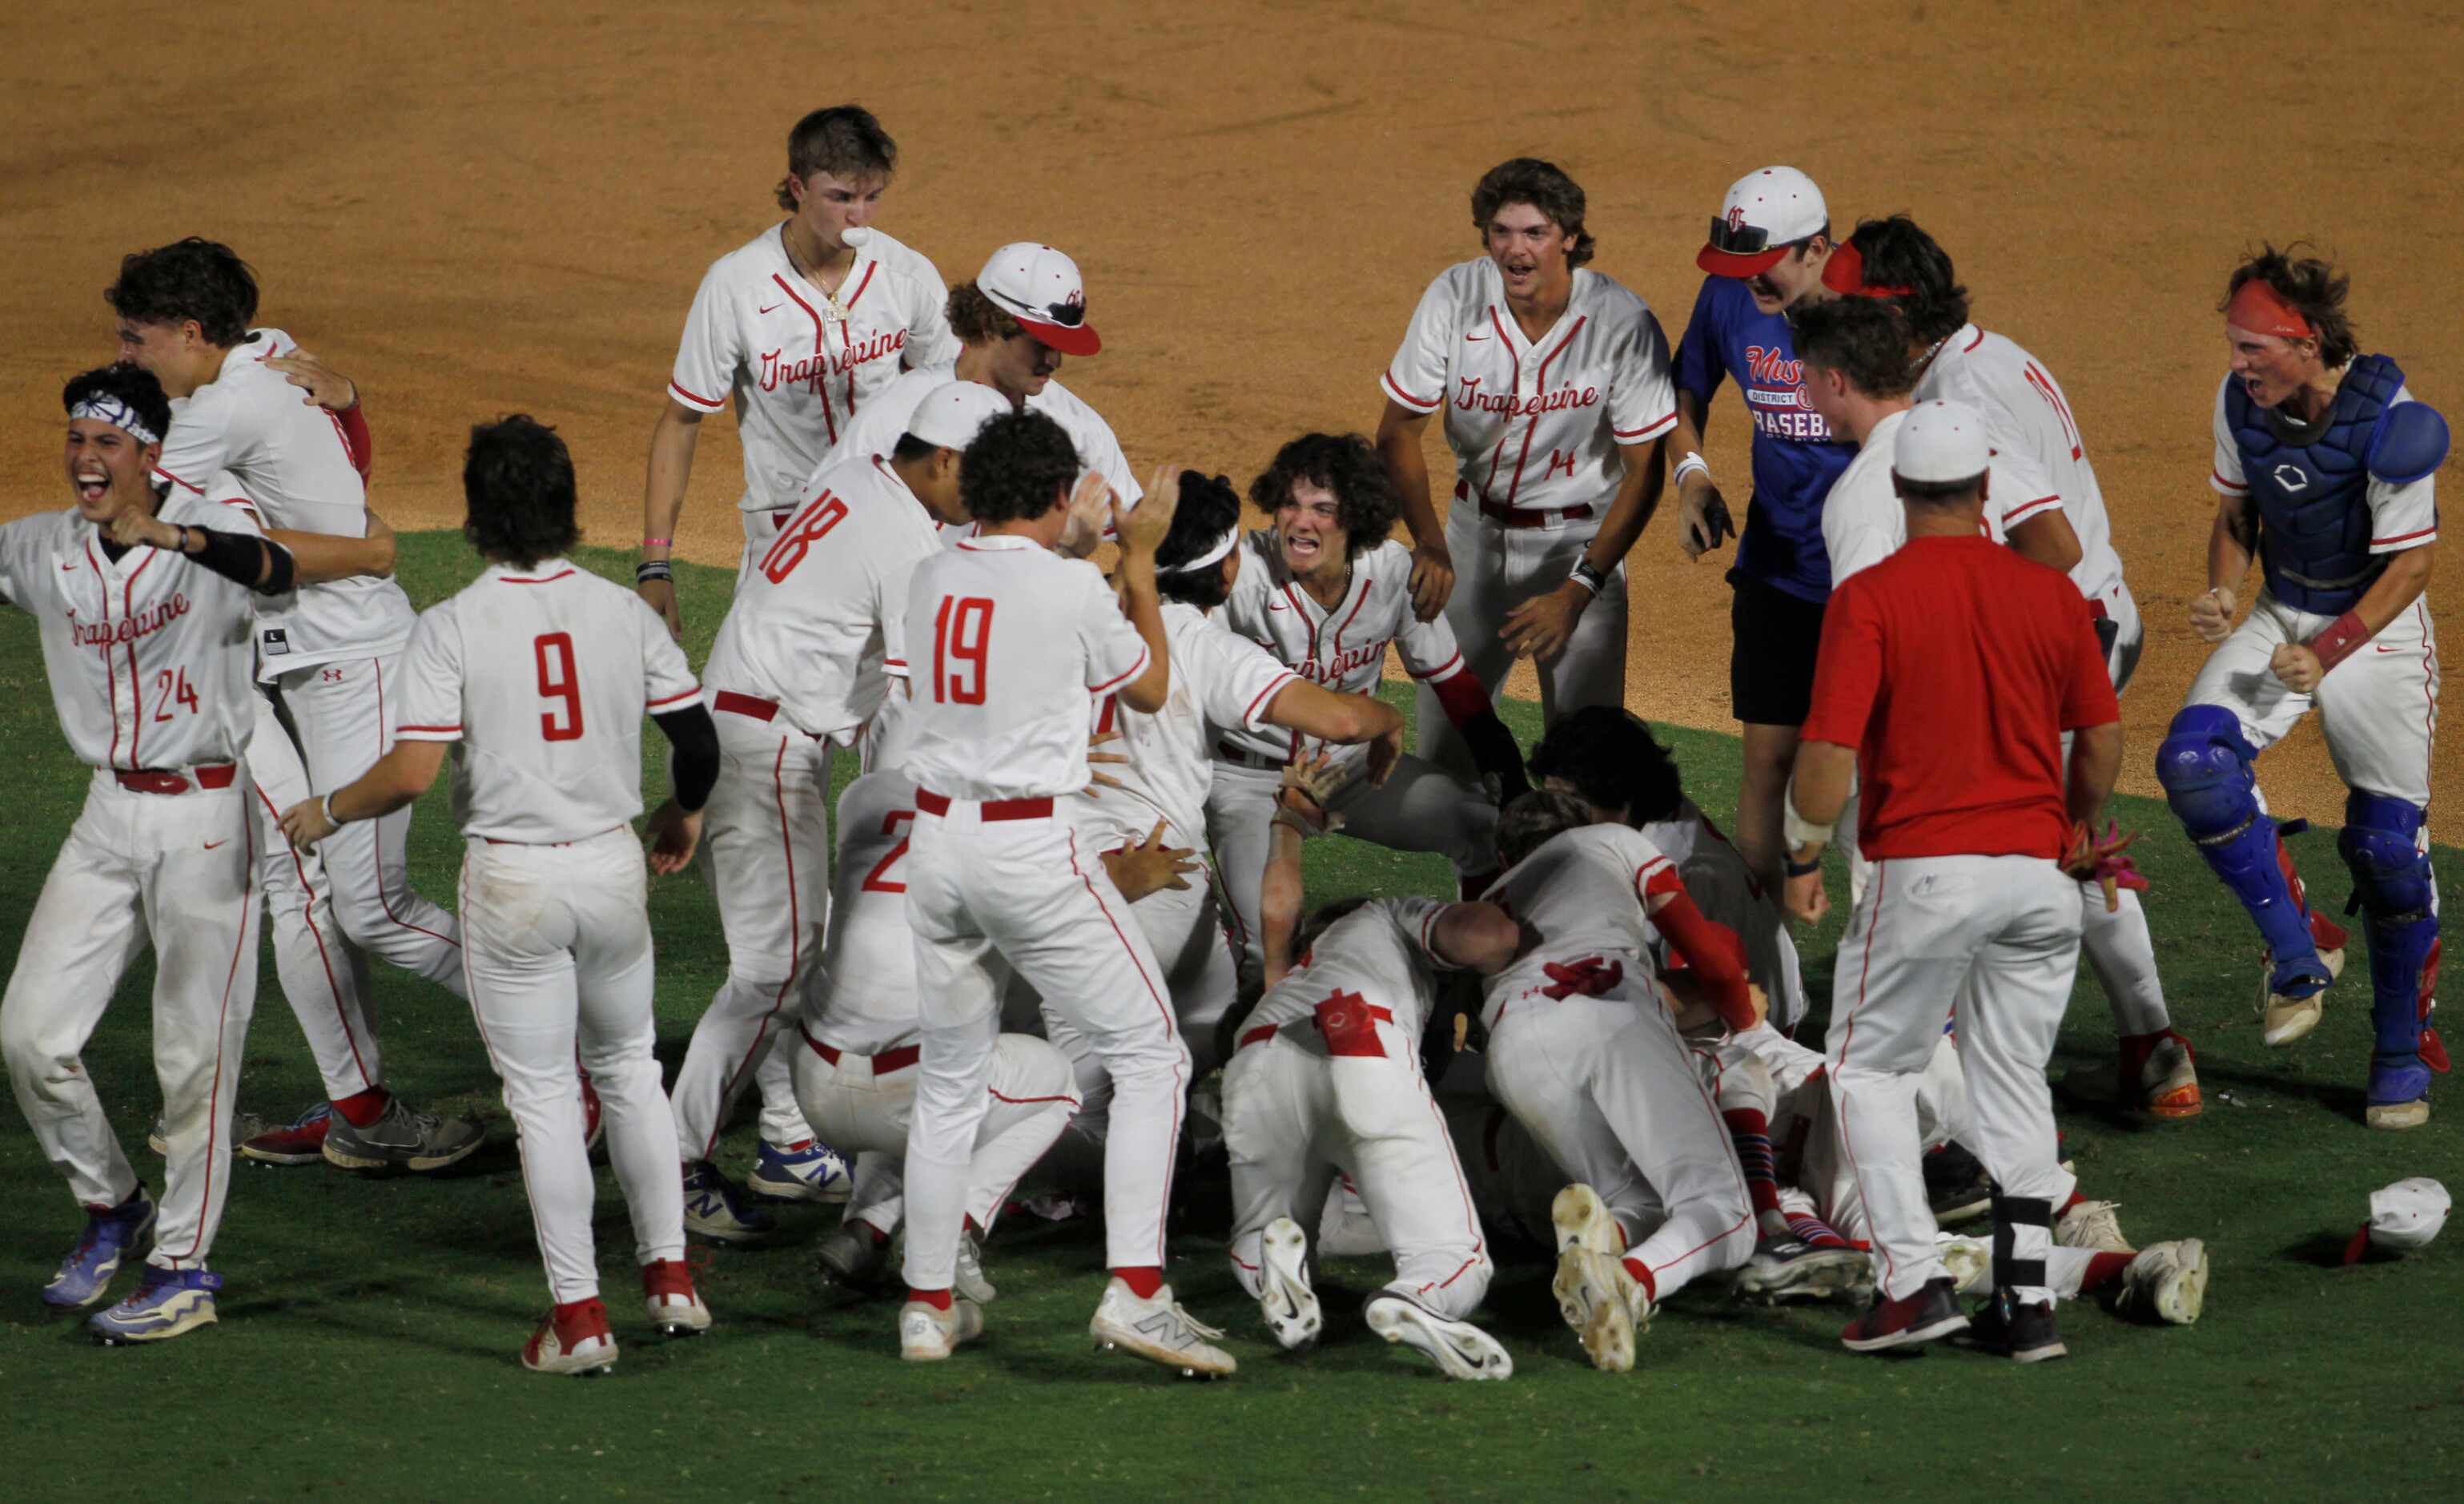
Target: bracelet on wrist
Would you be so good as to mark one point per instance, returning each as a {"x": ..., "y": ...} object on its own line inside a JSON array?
[
  {"x": 1690, "y": 463},
  {"x": 1589, "y": 578},
  {"x": 331, "y": 818},
  {"x": 1797, "y": 869},
  {"x": 650, "y": 570}
]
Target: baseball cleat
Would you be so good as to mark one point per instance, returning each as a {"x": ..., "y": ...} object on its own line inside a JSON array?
[
  {"x": 402, "y": 1139},
  {"x": 853, "y": 1256},
  {"x": 2167, "y": 1282},
  {"x": 716, "y": 1209},
  {"x": 669, "y": 1300},
  {"x": 2091, "y": 1224},
  {"x": 1602, "y": 1302},
  {"x": 244, "y": 1126},
  {"x": 2159, "y": 1074},
  {"x": 1159, "y": 1331},
  {"x": 1460, "y": 1349},
  {"x": 807, "y": 1171},
  {"x": 2398, "y": 1091},
  {"x": 1788, "y": 1269},
  {"x": 2283, "y": 1018},
  {"x": 1931, "y": 1313},
  {"x": 927, "y": 1334},
  {"x": 572, "y": 1339},
  {"x": 1284, "y": 1295},
  {"x": 2008, "y": 1329},
  {"x": 1956, "y": 1187},
  {"x": 110, "y": 1234},
  {"x": 1968, "y": 1261},
  {"x": 299, "y": 1142},
  {"x": 1582, "y": 1220},
  {"x": 968, "y": 1279},
  {"x": 165, "y": 1303}
]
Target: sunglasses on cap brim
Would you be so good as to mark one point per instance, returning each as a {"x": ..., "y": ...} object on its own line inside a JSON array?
[{"x": 1738, "y": 239}]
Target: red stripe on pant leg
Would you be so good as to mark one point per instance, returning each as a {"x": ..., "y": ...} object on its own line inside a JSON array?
[
  {"x": 307, "y": 916},
  {"x": 221, "y": 1020},
  {"x": 735, "y": 1082},
  {"x": 376, "y": 835},
  {"x": 1163, "y": 1008}
]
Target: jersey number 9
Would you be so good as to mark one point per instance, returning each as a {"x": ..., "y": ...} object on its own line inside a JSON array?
[
  {"x": 960, "y": 632},
  {"x": 561, "y": 721}
]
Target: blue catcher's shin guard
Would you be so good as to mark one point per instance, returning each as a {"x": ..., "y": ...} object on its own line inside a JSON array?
[
  {"x": 2393, "y": 885},
  {"x": 2205, "y": 768}
]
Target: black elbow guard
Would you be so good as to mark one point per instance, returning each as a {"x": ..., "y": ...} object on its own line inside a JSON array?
[{"x": 694, "y": 738}]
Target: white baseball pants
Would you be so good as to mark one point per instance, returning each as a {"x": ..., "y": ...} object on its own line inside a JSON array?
[
  {"x": 180, "y": 871},
  {"x": 2378, "y": 709},
  {"x": 767, "y": 829},
  {"x": 556, "y": 949},
  {"x": 325, "y": 977},
  {"x": 1611, "y": 1091},
  {"x": 345, "y": 718},
  {"x": 985, "y": 897},
  {"x": 1993, "y": 942},
  {"x": 864, "y": 1112},
  {"x": 1294, "y": 1115},
  {"x": 1497, "y": 568}
]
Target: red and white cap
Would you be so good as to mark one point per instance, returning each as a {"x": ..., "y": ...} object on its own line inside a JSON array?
[
  {"x": 1764, "y": 212},
  {"x": 1040, "y": 288},
  {"x": 1941, "y": 442},
  {"x": 2404, "y": 1217},
  {"x": 952, "y": 414}
]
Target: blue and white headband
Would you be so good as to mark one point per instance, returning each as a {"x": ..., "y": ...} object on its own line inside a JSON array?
[{"x": 118, "y": 413}]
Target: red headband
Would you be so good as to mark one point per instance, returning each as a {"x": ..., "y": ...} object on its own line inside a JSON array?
[
  {"x": 2262, "y": 310},
  {"x": 1844, "y": 273}
]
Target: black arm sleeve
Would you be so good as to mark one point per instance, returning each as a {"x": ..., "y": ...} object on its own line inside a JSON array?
[
  {"x": 243, "y": 560},
  {"x": 1493, "y": 751},
  {"x": 694, "y": 738}
]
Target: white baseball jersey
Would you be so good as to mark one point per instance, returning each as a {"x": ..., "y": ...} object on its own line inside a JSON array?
[
  {"x": 1535, "y": 424},
  {"x": 863, "y": 997},
  {"x": 543, "y": 674},
  {"x": 148, "y": 655},
  {"x": 1583, "y": 891},
  {"x": 1011, "y": 645},
  {"x": 2401, "y": 517},
  {"x": 2030, "y": 425},
  {"x": 877, "y": 429},
  {"x": 1221, "y": 683},
  {"x": 814, "y": 624},
  {"x": 1864, "y": 524},
  {"x": 1383, "y": 952},
  {"x": 291, "y": 460},
  {"x": 799, "y": 365},
  {"x": 1343, "y": 649}
]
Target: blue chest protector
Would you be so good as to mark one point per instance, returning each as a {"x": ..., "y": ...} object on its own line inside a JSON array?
[{"x": 2312, "y": 499}]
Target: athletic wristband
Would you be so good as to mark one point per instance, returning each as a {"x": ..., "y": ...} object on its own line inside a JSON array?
[
  {"x": 1797, "y": 869},
  {"x": 2343, "y": 638},
  {"x": 1588, "y": 578},
  {"x": 331, "y": 817},
  {"x": 651, "y": 569},
  {"x": 1687, "y": 464}
]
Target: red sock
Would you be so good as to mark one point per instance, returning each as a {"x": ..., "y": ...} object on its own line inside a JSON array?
[
  {"x": 972, "y": 1227},
  {"x": 1641, "y": 1273},
  {"x": 2104, "y": 1268},
  {"x": 360, "y": 1108},
  {"x": 2063, "y": 1209},
  {"x": 879, "y": 1237},
  {"x": 937, "y": 1299},
  {"x": 1751, "y": 1132},
  {"x": 1143, "y": 1281}
]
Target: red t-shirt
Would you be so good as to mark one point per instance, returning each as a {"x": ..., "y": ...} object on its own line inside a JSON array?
[{"x": 1954, "y": 668}]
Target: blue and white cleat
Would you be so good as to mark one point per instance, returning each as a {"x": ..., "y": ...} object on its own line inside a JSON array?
[
  {"x": 165, "y": 1303},
  {"x": 807, "y": 1171},
  {"x": 109, "y": 1234},
  {"x": 716, "y": 1209}
]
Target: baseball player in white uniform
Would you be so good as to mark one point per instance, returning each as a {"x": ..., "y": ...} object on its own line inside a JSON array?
[
  {"x": 797, "y": 330},
  {"x": 1327, "y": 593},
  {"x": 1011, "y": 647},
  {"x": 2038, "y": 452},
  {"x": 1583, "y": 1048},
  {"x": 148, "y": 651},
  {"x": 1326, "y": 1080},
  {"x": 326, "y": 651},
  {"x": 1554, "y": 381},
  {"x": 796, "y": 673},
  {"x": 540, "y": 674}
]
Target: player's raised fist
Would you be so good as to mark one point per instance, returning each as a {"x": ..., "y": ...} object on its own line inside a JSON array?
[
  {"x": 133, "y": 527},
  {"x": 2212, "y": 615}
]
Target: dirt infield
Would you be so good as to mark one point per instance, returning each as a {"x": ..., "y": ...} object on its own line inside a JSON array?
[{"x": 482, "y": 207}]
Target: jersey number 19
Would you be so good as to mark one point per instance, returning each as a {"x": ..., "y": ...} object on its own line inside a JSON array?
[{"x": 961, "y": 630}]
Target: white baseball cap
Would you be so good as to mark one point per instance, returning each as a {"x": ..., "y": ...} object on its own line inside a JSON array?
[
  {"x": 1764, "y": 213},
  {"x": 1941, "y": 442},
  {"x": 2404, "y": 1216},
  {"x": 952, "y": 414},
  {"x": 1040, "y": 288}
]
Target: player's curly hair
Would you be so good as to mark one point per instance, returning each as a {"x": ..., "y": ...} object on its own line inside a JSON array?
[
  {"x": 192, "y": 279},
  {"x": 517, "y": 483},
  {"x": 977, "y": 320},
  {"x": 2315, "y": 289},
  {"x": 843, "y": 141},
  {"x": 1860, "y": 339},
  {"x": 1531, "y": 820},
  {"x": 126, "y": 383},
  {"x": 1609, "y": 753},
  {"x": 1546, "y": 188},
  {"x": 1021, "y": 465},
  {"x": 1209, "y": 507},
  {"x": 1365, "y": 499},
  {"x": 1898, "y": 255}
]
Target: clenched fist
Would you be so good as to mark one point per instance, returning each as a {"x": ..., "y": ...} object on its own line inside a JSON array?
[{"x": 2212, "y": 615}]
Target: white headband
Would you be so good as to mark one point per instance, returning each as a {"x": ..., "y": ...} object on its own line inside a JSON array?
[
  {"x": 119, "y": 415},
  {"x": 1215, "y": 555}
]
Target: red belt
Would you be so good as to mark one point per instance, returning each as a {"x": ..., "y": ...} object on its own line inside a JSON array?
[
  {"x": 1522, "y": 515},
  {"x": 1267, "y": 1031},
  {"x": 493, "y": 841},
  {"x": 744, "y": 705},
  {"x": 155, "y": 781},
  {"x": 933, "y": 804},
  {"x": 883, "y": 1064}
]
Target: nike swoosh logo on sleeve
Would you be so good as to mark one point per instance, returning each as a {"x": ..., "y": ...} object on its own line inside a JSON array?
[
  {"x": 1469, "y": 338},
  {"x": 774, "y": 307}
]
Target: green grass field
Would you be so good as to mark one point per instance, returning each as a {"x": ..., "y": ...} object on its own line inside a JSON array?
[{"x": 369, "y": 1329}]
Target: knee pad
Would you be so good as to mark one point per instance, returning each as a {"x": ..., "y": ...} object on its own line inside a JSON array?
[
  {"x": 2391, "y": 877},
  {"x": 2204, "y": 764}
]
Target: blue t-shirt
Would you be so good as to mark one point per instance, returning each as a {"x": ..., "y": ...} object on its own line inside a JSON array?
[{"x": 1795, "y": 458}]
